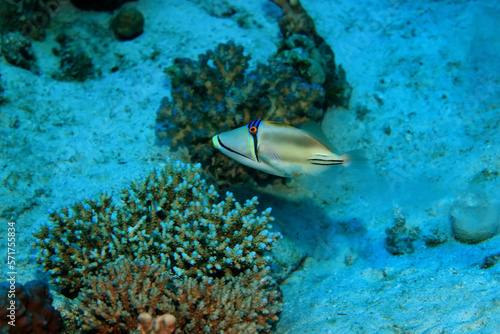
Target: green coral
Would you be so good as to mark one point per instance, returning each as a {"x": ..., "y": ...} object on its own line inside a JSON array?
[{"x": 217, "y": 93}]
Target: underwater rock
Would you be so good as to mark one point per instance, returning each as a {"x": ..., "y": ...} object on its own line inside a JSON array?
[
  {"x": 17, "y": 50},
  {"x": 128, "y": 24},
  {"x": 474, "y": 219},
  {"x": 103, "y": 5}
]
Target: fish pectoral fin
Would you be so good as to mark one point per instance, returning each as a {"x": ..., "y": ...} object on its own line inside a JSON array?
[{"x": 272, "y": 159}]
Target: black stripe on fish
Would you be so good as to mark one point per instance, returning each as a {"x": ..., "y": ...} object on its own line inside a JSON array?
[
  {"x": 324, "y": 162},
  {"x": 231, "y": 150}
]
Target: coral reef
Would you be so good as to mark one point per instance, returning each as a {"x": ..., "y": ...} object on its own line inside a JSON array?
[
  {"x": 171, "y": 247},
  {"x": 216, "y": 94},
  {"x": 32, "y": 311},
  {"x": 128, "y": 24},
  {"x": 29, "y": 17},
  {"x": 124, "y": 289},
  {"x": 75, "y": 64},
  {"x": 69, "y": 313},
  {"x": 16, "y": 49},
  {"x": 310, "y": 52},
  {"x": 400, "y": 240}
]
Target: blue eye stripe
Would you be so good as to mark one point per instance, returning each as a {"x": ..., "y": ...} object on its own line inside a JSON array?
[{"x": 255, "y": 123}]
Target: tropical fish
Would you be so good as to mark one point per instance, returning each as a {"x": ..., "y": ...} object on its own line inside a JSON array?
[{"x": 283, "y": 150}]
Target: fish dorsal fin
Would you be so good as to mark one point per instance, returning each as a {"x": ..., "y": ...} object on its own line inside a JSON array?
[{"x": 314, "y": 130}]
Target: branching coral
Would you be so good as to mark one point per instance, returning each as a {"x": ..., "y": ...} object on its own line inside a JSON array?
[
  {"x": 171, "y": 215},
  {"x": 217, "y": 93},
  {"x": 201, "y": 259},
  {"x": 112, "y": 301}
]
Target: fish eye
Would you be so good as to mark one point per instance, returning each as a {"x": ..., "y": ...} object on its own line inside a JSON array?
[{"x": 253, "y": 130}]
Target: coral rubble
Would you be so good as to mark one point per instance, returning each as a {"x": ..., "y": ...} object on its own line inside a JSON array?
[
  {"x": 32, "y": 310},
  {"x": 171, "y": 246},
  {"x": 217, "y": 93},
  {"x": 400, "y": 240}
]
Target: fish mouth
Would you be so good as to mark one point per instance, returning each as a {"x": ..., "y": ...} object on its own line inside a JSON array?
[{"x": 219, "y": 142}]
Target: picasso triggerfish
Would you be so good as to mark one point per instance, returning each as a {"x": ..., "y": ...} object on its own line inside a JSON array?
[{"x": 283, "y": 150}]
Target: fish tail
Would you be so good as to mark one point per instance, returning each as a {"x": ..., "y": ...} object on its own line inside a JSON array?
[{"x": 355, "y": 158}]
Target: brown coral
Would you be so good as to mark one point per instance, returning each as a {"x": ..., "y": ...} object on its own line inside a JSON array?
[
  {"x": 28, "y": 309},
  {"x": 111, "y": 301}
]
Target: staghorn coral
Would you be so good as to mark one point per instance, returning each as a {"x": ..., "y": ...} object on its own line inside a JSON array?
[
  {"x": 218, "y": 93},
  {"x": 32, "y": 311},
  {"x": 169, "y": 216},
  {"x": 112, "y": 301}
]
